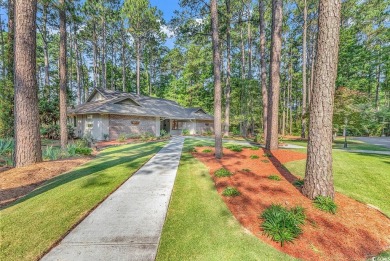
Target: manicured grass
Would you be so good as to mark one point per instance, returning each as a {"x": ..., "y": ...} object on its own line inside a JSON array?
[
  {"x": 31, "y": 225},
  {"x": 365, "y": 177},
  {"x": 199, "y": 226}
]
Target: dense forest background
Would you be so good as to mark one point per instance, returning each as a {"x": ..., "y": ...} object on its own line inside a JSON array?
[{"x": 109, "y": 41}]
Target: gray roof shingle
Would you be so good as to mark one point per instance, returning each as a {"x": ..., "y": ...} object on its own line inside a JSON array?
[{"x": 149, "y": 106}]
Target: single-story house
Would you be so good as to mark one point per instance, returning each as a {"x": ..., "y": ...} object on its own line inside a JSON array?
[{"x": 107, "y": 114}]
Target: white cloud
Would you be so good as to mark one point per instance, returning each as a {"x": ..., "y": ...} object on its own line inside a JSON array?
[{"x": 167, "y": 31}]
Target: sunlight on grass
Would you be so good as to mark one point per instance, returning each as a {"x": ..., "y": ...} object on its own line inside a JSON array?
[
  {"x": 32, "y": 224},
  {"x": 199, "y": 226},
  {"x": 365, "y": 177}
]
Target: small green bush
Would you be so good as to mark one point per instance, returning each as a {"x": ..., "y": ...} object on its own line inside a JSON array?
[
  {"x": 222, "y": 173},
  {"x": 233, "y": 147},
  {"x": 274, "y": 177},
  {"x": 231, "y": 192},
  {"x": 325, "y": 204},
  {"x": 84, "y": 151},
  {"x": 186, "y": 132},
  {"x": 253, "y": 156},
  {"x": 298, "y": 183},
  {"x": 71, "y": 149},
  {"x": 259, "y": 138},
  {"x": 246, "y": 170},
  {"x": 190, "y": 149},
  {"x": 254, "y": 148},
  {"x": 265, "y": 161},
  {"x": 267, "y": 155},
  {"x": 207, "y": 151},
  {"x": 122, "y": 137},
  {"x": 51, "y": 153},
  {"x": 199, "y": 145},
  {"x": 282, "y": 224}
]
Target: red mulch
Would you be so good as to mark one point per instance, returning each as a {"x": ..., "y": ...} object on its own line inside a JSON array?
[{"x": 356, "y": 232}]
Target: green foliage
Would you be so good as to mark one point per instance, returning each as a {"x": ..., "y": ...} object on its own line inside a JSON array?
[
  {"x": 71, "y": 149},
  {"x": 299, "y": 183},
  {"x": 147, "y": 136},
  {"x": 246, "y": 170},
  {"x": 222, "y": 173},
  {"x": 207, "y": 151},
  {"x": 51, "y": 153},
  {"x": 231, "y": 192},
  {"x": 274, "y": 177},
  {"x": 253, "y": 156},
  {"x": 83, "y": 151},
  {"x": 234, "y": 147},
  {"x": 122, "y": 137},
  {"x": 6, "y": 151},
  {"x": 106, "y": 136},
  {"x": 199, "y": 145},
  {"x": 325, "y": 204},
  {"x": 259, "y": 138},
  {"x": 267, "y": 155},
  {"x": 282, "y": 224},
  {"x": 164, "y": 134},
  {"x": 186, "y": 132},
  {"x": 190, "y": 149},
  {"x": 254, "y": 148}
]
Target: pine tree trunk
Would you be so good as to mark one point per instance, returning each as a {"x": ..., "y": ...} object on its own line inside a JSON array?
[
  {"x": 228, "y": 72},
  {"x": 3, "y": 63},
  {"x": 378, "y": 81},
  {"x": 63, "y": 75},
  {"x": 78, "y": 67},
  {"x": 138, "y": 47},
  {"x": 123, "y": 58},
  {"x": 27, "y": 136},
  {"x": 319, "y": 176},
  {"x": 217, "y": 79},
  {"x": 276, "y": 46},
  {"x": 304, "y": 79},
  {"x": 263, "y": 67},
  {"x": 95, "y": 69},
  {"x": 104, "y": 70}
]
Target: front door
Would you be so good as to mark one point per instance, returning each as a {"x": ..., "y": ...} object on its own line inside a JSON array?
[{"x": 166, "y": 125}]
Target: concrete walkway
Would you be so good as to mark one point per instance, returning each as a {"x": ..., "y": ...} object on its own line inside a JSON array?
[{"x": 128, "y": 224}]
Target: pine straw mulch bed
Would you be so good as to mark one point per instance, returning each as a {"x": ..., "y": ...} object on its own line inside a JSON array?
[
  {"x": 356, "y": 232},
  {"x": 16, "y": 183}
]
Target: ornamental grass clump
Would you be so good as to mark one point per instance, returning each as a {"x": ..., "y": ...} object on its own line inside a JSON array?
[
  {"x": 325, "y": 204},
  {"x": 231, "y": 192},
  {"x": 222, "y": 173},
  {"x": 207, "y": 151},
  {"x": 274, "y": 177},
  {"x": 299, "y": 183},
  {"x": 253, "y": 156},
  {"x": 282, "y": 224},
  {"x": 235, "y": 148}
]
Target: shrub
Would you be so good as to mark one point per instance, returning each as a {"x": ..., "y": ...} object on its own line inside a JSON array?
[
  {"x": 106, "y": 136},
  {"x": 298, "y": 183},
  {"x": 325, "y": 204},
  {"x": 146, "y": 136},
  {"x": 235, "y": 148},
  {"x": 267, "y": 155},
  {"x": 6, "y": 150},
  {"x": 122, "y": 137},
  {"x": 164, "y": 134},
  {"x": 246, "y": 170},
  {"x": 274, "y": 177},
  {"x": 282, "y": 224},
  {"x": 71, "y": 149},
  {"x": 207, "y": 133},
  {"x": 190, "y": 149},
  {"x": 51, "y": 153},
  {"x": 207, "y": 151},
  {"x": 231, "y": 192},
  {"x": 254, "y": 148},
  {"x": 253, "y": 156},
  {"x": 280, "y": 139},
  {"x": 259, "y": 138},
  {"x": 236, "y": 132},
  {"x": 186, "y": 132},
  {"x": 83, "y": 151},
  {"x": 222, "y": 173},
  {"x": 88, "y": 139},
  {"x": 199, "y": 145}
]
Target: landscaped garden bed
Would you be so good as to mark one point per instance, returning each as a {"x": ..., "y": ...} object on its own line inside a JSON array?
[{"x": 355, "y": 232}]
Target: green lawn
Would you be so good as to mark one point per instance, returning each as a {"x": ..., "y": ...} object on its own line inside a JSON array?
[
  {"x": 365, "y": 177},
  {"x": 30, "y": 226},
  {"x": 199, "y": 226}
]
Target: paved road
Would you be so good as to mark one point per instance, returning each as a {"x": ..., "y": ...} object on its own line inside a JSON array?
[
  {"x": 382, "y": 141},
  {"x": 128, "y": 224}
]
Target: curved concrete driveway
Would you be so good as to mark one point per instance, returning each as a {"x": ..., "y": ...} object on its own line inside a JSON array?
[
  {"x": 381, "y": 141},
  {"x": 128, "y": 224}
]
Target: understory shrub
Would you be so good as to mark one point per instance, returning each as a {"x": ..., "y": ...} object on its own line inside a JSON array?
[
  {"x": 325, "y": 204},
  {"x": 233, "y": 147},
  {"x": 51, "y": 153},
  {"x": 274, "y": 177},
  {"x": 207, "y": 151},
  {"x": 282, "y": 224},
  {"x": 254, "y": 148},
  {"x": 259, "y": 138},
  {"x": 231, "y": 192},
  {"x": 122, "y": 137},
  {"x": 83, "y": 151},
  {"x": 186, "y": 132},
  {"x": 253, "y": 156},
  {"x": 267, "y": 155},
  {"x": 222, "y": 173},
  {"x": 298, "y": 183},
  {"x": 147, "y": 136},
  {"x": 6, "y": 150},
  {"x": 190, "y": 149}
]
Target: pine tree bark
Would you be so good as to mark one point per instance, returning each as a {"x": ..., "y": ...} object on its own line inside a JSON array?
[
  {"x": 123, "y": 57},
  {"x": 228, "y": 71},
  {"x": 263, "y": 68},
  {"x": 104, "y": 67},
  {"x": 138, "y": 47},
  {"x": 319, "y": 176},
  {"x": 63, "y": 75},
  {"x": 217, "y": 79},
  {"x": 304, "y": 78},
  {"x": 46, "y": 49},
  {"x": 27, "y": 136},
  {"x": 94, "y": 44},
  {"x": 276, "y": 46},
  {"x": 3, "y": 62},
  {"x": 78, "y": 67}
]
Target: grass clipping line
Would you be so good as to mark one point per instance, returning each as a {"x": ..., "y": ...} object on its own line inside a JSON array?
[{"x": 282, "y": 224}]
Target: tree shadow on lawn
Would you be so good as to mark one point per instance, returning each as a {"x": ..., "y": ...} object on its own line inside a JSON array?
[{"x": 89, "y": 169}]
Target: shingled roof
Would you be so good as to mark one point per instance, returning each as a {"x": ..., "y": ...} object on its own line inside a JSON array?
[{"x": 122, "y": 103}]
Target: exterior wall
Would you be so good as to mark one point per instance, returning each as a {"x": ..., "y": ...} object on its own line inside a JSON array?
[
  {"x": 119, "y": 124},
  {"x": 97, "y": 130},
  {"x": 204, "y": 126}
]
